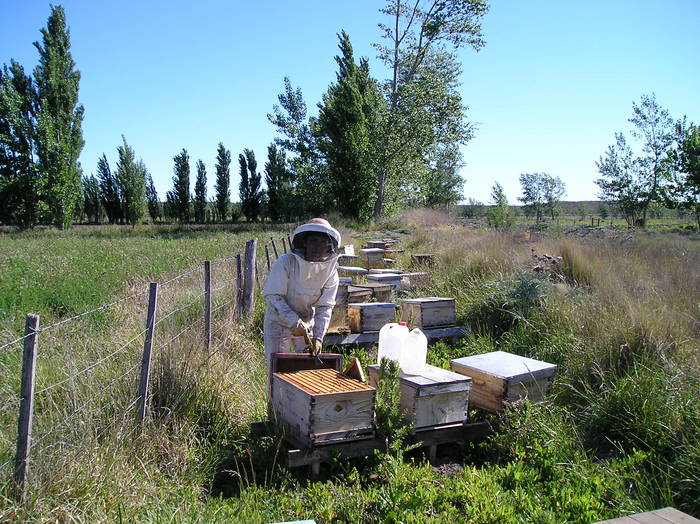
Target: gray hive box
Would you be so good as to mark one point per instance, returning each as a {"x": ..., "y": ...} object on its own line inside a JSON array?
[
  {"x": 434, "y": 398},
  {"x": 500, "y": 377},
  {"x": 428, "y": 312},
  {"x": 386, "y": 278}
]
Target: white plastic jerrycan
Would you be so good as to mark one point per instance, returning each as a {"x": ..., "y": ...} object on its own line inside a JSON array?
[
  {"x": 415, "y": 352},
  {"x": 391, "y": 341}
]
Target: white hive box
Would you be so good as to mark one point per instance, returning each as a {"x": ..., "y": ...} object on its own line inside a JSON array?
[
  {"x": 500, "y": 377},
  {"x": 321, "y": 406},
  {"x": 372, "y": 257},
  {"x": 370, "y": 317},
  {"x": 428, "y": 312},
  {"x": 434, "y": 398}
]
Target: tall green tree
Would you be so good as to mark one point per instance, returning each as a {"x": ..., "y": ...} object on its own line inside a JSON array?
[
  {"x": 20, "y": 180},
  {"x": 59, "y": 119},
  {"x": 92, "y": 206},
  {"x": 131, "y": 175},
  {"x": 180, "y": 196},
  {"x": 533, "y": 199},
  {"x": 444, "y": 185},
  {"x": 249, "y": 189},
  {"x": 200, "y": 194},
  {"x": 685, "y": 192},
  {"x": 633, "y": 182},
  {"x": 419, "y": 37},
  {"x": 554, "y": 190},
  {"x": 348, "y": 125},
  {"x": 222, "y": 188},
  {"x": 154, "y": 210},
  {"x": 279, "y": 194},
  {"x": 110, "y": 194}
]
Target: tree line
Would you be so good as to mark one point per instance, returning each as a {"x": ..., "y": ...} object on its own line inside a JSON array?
[{"x": 375, "y": 146}]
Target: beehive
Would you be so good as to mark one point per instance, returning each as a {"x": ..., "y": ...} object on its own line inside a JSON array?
[
  {"x": 322, "y": 406},
  {"x": 372, "y": 257},
  {"x": 500, "y": 377},
  {"x": 339, "y": 322},
  {"x": 434, "y": 398},
  {"x": 386, "y": 278},
  {"x": 351, "y": 271},
  {"x": 428, "y": 312},
  {"x": 370, "y": 317},
  {"x": 380, "y": 291},
  {"x": 391, "y": 253},
  {"x": 359, "y": 294},
  {"x": 381, "y": 244},
  {"x": 422, "y": 259}
]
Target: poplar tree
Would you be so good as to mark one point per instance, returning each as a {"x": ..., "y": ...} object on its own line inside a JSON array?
[
  {"x": 279, "y": 194},
  {"x": 152, "y": 200},
  {"x": 131, "y": 177},
  {"x": 200, "y": 193},
  {"x": 91, "y": 199},
  {"x": 59, "y": 119},
  {"x": 181, "y": 187},
  {"x": 249, "y": 189},
  {"x": 110, "y": 196},
  {"x": 20, "y": 180},
  {"x": 222, "y": 187}
]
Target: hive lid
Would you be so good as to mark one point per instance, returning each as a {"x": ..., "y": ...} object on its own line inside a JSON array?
[
  {"x": 506, "y": 365},
  {"x": 431, "y": 376},
  {"x": 426, "y": 299},
  {"x": 323, "y": 381},
  {"x": 370, "y": 305}
]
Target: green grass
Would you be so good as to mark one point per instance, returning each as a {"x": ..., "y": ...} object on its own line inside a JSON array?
[{"x": 618, "y": 434}]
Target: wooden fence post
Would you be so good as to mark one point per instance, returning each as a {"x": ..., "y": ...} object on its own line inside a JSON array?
[
  {"x": 239, "y": 286},
  {"x": 289, "y": 242},
  {"x": 284, "y": 245},
  {"x": 267, "y": 257},
  {"x": 249, "y": 283},
  {"x": 147, "y": 347},
  {"x": 274, "y": 248},
  {"x": 26, "y": 407},
  {"x": 207, "y": 305}
]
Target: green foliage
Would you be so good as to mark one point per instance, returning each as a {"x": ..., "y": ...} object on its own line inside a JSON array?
[
  {"x": 541, "y": 194},
  {"x": 110, "y": 192},
  {"x": 279, "y": 191},
  {"x": 685, "y": 192},
  {"x": 92, "y": 207},
  {"x": 390, "y": 422},
  {"x": 200, "y": 193},
  {"x": 178, "y": 200},
  {"x": 154, "y": 208},
  {"x": 223, "y": 181},
  {"x": 347, "y": 128},
  {"x": 59, "y": 139},
  {"x": 249, "y": 188},
  {"x": 499, "y": 216},
  {"x": 131, "y": 178}
]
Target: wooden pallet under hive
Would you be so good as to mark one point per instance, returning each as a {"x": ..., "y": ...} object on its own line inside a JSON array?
[{"x": 322, "y": 406}]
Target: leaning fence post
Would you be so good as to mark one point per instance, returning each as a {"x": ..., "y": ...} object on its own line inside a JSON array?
[
  {"x": 274, "y": 248},
  {"x": 249, "y": 288},
  {"x": 239, "y": 285},
  {"x": 289, "y": 241},
  {"x": 267, "y": 257},
  {"x": 207, "y": 305},
  {"x": 284, "y": 245},
  {"x": 147, "y": 346},
  {"x": 26, "y": 406}
]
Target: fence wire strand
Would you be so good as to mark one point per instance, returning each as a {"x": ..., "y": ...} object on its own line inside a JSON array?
[
  {"x": 93, "y": 365},
  {"x": 171, "y": 313}
]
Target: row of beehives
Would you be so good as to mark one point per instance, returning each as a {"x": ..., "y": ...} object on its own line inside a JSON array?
[
  {"x": 353, "y": 312},
  {"x": 322, "y": 406}
]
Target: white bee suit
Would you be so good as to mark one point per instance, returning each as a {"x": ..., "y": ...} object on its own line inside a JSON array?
[{"x": 297, "y": 289}]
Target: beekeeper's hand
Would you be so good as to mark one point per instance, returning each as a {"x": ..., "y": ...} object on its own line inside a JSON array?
[
  {"x": 316, "y": 345},
  {"x": 301, "y": 328}
]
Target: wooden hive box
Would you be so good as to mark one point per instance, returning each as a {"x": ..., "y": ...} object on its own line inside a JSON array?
[
  {"x": 322, "y": 406},
  {"x": 386, "y": 278},
  {"x": 382, "y": 292},
  {"x": 345, "y": 260},
  {"x": 500, "y": 377},
  {"x": 435, "y": 398},
  {"x": 372, "y": 257},
  {"x": 391, "y": 253},
  {"x": 339, "y": 322},
  {"x": 381, "y": 244},
  {"x": 351, "y": 271},
  {"x": 428, "y": 312},
  {"x": 422, "y": 259},
  {"x": 370, "y": 317},
  {"x": 357, "y": 294},
  {"x": 385, "y": 271}
]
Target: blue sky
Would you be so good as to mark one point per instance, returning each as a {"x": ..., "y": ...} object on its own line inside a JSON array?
[{"x": 553, "y": 84}]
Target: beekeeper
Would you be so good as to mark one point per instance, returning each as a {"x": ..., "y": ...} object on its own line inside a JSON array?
[{"x": 300, "y": 289}]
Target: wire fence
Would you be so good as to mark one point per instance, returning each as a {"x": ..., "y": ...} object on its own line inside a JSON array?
[{"x": 120, "y": 347}]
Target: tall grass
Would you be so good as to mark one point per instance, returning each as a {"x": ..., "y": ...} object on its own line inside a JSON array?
[{"x": 618, "y": 434}]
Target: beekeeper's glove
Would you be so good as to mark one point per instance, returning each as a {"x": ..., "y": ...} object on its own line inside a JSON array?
[
  {"x": 316, "y": 346},
  {"x": 301, "y": 328}
]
